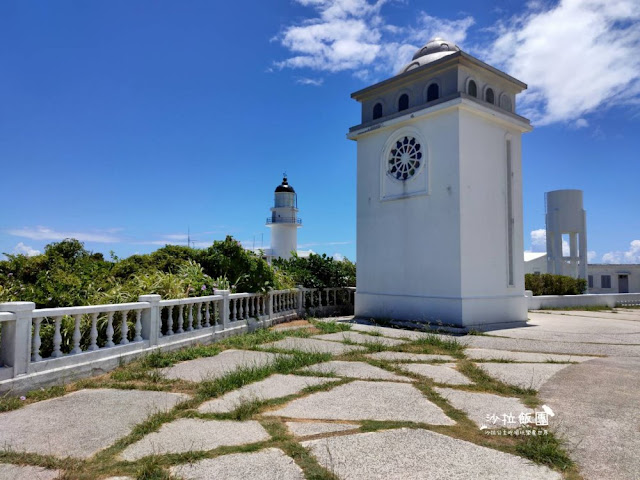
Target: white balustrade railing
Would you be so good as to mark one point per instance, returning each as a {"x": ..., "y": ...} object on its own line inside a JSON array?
[{"x": 59, "y": 341}]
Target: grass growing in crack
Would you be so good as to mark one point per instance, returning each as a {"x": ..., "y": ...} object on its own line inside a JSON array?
[
  {"x": 332, "y": 327},
  {"x": 150, "y": 468},
  {"x": 8, "y": 403},
  {"x": 484, "y": 382},
  {"x": 283, "y": 364},
  {"x": 546, "y": 450},
  {"x": 254, "y": 339},
  {"x": 283, "y": 440},
  {"x": 451, "y": 345}
]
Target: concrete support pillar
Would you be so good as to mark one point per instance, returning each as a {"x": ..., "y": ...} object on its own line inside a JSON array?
[
  {"x": 16, "y": 336},
  {"x": 583, "y": 248},
  {"x": 301, "y": 299},
  {"x": 573, "y": 253},
  {"x": 151, "y": 318}
]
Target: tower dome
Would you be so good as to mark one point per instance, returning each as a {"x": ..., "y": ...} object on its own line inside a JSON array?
[
  {"x": 433, "y": 50},
  {"x": 285, "y": 187}
]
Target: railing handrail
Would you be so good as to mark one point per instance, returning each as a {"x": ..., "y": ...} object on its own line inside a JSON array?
[
  {"x": 107, "y": 307},
  {"x": 271, "y": 220},
  {"x": 190, "y": 300},
  {"x": 7, "y": 316}
]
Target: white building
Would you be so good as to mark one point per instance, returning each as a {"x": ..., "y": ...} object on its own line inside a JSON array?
[
  {"x": 566, "y": 226},
  {"x": 439, "y": 192}
]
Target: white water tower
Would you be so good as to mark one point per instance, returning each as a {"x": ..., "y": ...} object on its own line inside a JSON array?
[
  {"x": 284, "y": 221},
  {"x": 565, "y": 217}
]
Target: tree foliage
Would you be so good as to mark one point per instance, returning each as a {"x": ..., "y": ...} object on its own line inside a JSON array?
[
  {"x": 318, "y": 271},
  {"x": 67, "y": 274},
  {"x": 547, "y": 284}
]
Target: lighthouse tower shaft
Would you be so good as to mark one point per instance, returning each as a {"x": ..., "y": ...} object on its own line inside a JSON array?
[{"x": 284, "y": 221}]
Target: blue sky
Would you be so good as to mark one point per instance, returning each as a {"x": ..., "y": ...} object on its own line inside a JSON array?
[{"x": 125, "y": 123}]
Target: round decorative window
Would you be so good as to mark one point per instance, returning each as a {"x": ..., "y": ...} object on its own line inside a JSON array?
[{"x": 405, "y": 158}]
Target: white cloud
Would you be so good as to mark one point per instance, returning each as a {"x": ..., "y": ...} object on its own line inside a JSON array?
[
  {"x": 46, "y": 233},
  {"x": 314, "y": 82},
  {"x": 22, "y": 249},
  {"x": 576, "y": 55},
  {"x": 338, "y": 257},
  {"x": 632, "y": 255},
  {"x": 352, "y": 35},
  {"x": 539, "y": 242},
  {"x": 591, "y": 256}
]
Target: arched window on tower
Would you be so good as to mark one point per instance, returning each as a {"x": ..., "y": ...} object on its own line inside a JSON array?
[
  {"x": 403, "y": 102},
  {"x": 433, "y": 92},
  {"x": 472, "y": 88},
  {"x": 489, "y": 96},
  {"x": 377, "y": 111}
]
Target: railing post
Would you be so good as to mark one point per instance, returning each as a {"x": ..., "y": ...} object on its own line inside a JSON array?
[
  {"x": 225, "y": 307},
  {"x": 270, "y": 304},
  {"x": 300, "y": 309},
  {"x": 16, "y": 336},
  {"x": 151, "y": 318}
]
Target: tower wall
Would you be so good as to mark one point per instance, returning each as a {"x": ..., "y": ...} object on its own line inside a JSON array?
[
  {"x": 565, "y": 215},
  {"x": 442, "y": 242}
]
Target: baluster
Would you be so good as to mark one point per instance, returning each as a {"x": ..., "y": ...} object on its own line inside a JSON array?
[
  {"x": 93, "y": 336},
  {"x": 232, "y": 309},
  {"x": 37, "y": 341},
  {"x": 190, "y": 318},
  {"x": 207, "y": 315},
  {"x": 250, "y": 302},
  {"x": 243, "y": 308},
  {"x": 199, "y": 316},
  {"x": 109, "y": 342},
  {"x": 138, "y": 337},
  {"x": 170, "y": 320},
  {"x": 275, "y": 303},
  {"x": 124, "y": 328},
  {"x": 76, "y": 335},
  {"x": 57, "y": 338},
  {"x": 180, "y": 319}
]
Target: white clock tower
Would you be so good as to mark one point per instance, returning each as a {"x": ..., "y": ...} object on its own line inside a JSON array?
[{"x": 439, "y": 193}]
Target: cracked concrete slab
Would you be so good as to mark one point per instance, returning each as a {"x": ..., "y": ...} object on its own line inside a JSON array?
[
  {"x": 59, "y": 426},
  {"x": 407, "y": 454},
  {"x": 363, "y": 400},
  {"x": 267, "y": 464},
  {"x": 195, "y": 434},
  {"x": 492, "y": 354},
  {"x": 209, "y": 368},
  {"x": 356, "y": 370},
  {"x": 360, "y": 338},
  {"x": 26, "y": 472},
  {"x": 275, "y": 386},
  {"x": 442, "y": 373},
  {"x": 523, "y": 375},
  {"x": 408, "y": 357},
  {"x": 311, "y": 345},
  {"x": 597, "y": 403},
  {"x": 484, "y": 408},
  {"x": 304, "y": 429},
  {"x": 390, "y": 332}
]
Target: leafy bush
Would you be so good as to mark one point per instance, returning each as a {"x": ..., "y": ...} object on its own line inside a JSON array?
[
  {"x": 318, "y": 271},
  {"x": 67, "y": 274},
  {"x": 547, "y": 284}
]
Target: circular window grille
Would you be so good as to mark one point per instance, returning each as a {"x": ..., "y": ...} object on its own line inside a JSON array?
[{"x": 405, "y": 158}]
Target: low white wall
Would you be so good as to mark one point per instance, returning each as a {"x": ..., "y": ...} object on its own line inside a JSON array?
[{"x": 590, "y": 300}]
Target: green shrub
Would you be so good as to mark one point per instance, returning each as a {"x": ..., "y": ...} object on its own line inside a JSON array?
[
  {"x": 547, "y": 284},
  {"x": 318, "y": 271}
]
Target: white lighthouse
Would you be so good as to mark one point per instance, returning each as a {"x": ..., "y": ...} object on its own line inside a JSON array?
[
  {"x": 284, "y": 221},
  {"x": 439, "y": 192}
]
